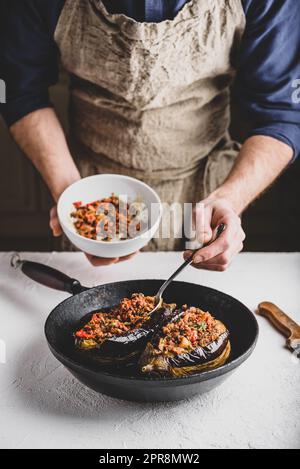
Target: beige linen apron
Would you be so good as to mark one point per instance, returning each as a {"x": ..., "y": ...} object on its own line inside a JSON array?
[{"x": 151, "y": 100}]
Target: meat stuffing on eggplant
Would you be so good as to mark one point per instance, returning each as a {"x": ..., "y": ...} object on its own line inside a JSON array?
[
  {"x": 191, "y": 342},
  {"x": 121, "y": 334}
]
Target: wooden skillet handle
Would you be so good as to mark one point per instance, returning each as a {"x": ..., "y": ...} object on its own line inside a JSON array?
[{"x": 280, "y": 320}]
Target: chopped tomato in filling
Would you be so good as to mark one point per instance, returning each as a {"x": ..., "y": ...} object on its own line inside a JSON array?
[
  {"x": 130, "y": 314},
  {"x": 194, "y": 329},
  {"x": 104, "y": 219}
]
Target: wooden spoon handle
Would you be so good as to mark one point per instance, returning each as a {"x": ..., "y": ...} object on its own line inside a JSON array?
[{"x": 279, "y": 319}]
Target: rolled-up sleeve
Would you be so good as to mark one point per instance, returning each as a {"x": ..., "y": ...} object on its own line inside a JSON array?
[
  {"x": 28, "y": 55},
  {"x": 269, "y": 70}
]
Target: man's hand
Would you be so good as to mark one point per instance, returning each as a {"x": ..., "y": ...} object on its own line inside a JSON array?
[
  {"x": 208, "y": 216},
  {"x": 261, "y": 160},
  {"x": 95, "y": 261},
  {"x": 54, "y": 223},
  {"x": 35, "y": 134}
]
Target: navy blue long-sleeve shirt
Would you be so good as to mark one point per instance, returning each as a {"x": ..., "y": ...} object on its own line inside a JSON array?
[{"x": 269, "y": 58}]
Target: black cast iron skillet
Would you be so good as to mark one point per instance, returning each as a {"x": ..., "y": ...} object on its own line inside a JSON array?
[{"x": 127, "y": 383}]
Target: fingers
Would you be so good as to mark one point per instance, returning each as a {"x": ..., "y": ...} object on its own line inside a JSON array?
[
  {"x": 221, "y": 262},
  {"x": 127, "y": 258},
  {"x": 202, "y": 221},
  {"x": 101, "y": 261},
  {"x": 187, "y": 254},
  {"x": 223, "y": 244},
  {"x": 219, "y": 255},
  {"x": 54, "y": 223}
]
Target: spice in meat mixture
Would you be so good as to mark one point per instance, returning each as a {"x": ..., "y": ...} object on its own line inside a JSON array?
[
  {"x": 130, "y": 314},
  {"x": 194, "y": 329},
  {"x": 106, "y": 219}
]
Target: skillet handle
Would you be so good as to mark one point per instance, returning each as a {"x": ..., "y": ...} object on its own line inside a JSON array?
[{"x": 47, "y": 276}]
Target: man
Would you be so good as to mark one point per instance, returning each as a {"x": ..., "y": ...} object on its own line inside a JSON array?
[{"x": 150, "y": 98}]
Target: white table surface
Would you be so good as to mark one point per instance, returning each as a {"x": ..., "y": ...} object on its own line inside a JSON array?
[{"x": 43, "y": 406}]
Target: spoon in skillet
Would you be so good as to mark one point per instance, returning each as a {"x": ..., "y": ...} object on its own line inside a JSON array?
[{"x": 159, "y": 295}]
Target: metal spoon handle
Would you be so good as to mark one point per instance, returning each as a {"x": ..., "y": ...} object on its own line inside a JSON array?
[{"x": 220, "y": 230}]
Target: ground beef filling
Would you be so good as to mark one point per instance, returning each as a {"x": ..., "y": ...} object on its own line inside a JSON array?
[
  {"x": 106, "y": 219},
  {"x": 130, "y": 314},
  {"x": 194, "y": 329}
]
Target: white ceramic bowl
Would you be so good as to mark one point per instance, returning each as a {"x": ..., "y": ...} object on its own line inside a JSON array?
[{"x": 97, "y": 187}]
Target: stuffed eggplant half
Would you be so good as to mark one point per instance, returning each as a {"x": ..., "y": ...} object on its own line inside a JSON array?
[
  {"x": 119, "y": 335},
  {"x": 192, "y": 341}
]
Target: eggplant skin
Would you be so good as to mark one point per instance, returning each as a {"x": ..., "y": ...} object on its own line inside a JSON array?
[
  {"x": 200, "y": 359},
  {"x": 210, "y": 365},
  {"x": 128, "y": 347}
]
